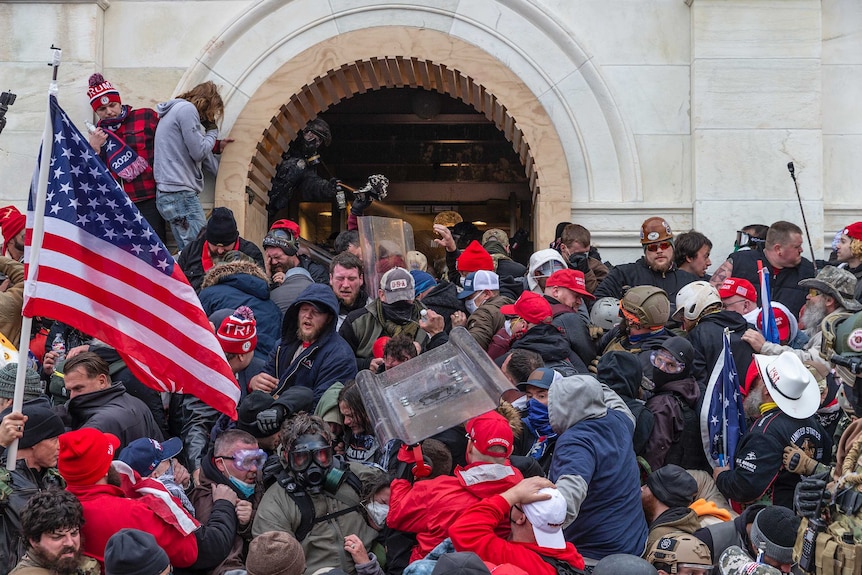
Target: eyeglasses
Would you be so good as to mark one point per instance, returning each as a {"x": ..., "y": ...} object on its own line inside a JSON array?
[
  {"x": 300, "y": 460},
  {"x": 659, "y": 246},
  {"x": 814, "y": 292},
  {"x": 729, "y": 304},
  {"x": 245, "y": 459},
  {"x": 664, "y": 361}
]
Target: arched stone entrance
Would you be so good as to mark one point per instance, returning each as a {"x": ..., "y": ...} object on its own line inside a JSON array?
[
  {"x": 369, "y": 75},
  {"x": 582, "y": 153}
]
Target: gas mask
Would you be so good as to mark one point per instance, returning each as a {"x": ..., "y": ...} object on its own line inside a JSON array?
[
  {"x": 312, "y": 464},
  {"x": 310, "y": 144}
]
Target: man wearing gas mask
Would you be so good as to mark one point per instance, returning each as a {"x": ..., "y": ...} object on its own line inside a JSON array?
[
  {"x": 297, "y": 172},
  {"x": 317, "y": 496}
]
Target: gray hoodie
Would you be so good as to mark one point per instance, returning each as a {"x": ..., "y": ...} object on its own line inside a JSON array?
[{"x": 182, "y": 147}]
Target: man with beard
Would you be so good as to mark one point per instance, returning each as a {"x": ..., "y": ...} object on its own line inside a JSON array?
[
  {"x": 786, "y": 396},
  {"x": 782, "y": 256},
  {"x": 281, "y": 248},
  {"x": 311, "y": 353},
  {"x": 12, "y": 223},
  {"x": 85, "y": 464},
  {"x": 655, "y": 268},
  {"x": 35, "y": 471},
  {"x": 394, "y": 312},
  {"x": 235, "y": 461},
  {"x": 831, "y": 292},
  {"x": 51, "y": 526},
  {"x": 347, "y": 280}
]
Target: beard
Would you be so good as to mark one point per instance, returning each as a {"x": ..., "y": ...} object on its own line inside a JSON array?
[
  {"x": 752, "y": 402},
  {"x": 813, "y": 315},
  {"x": 57, "y": 563},
  {"x": 311, "y": 335},
  {"x": 661, "y": 266}
]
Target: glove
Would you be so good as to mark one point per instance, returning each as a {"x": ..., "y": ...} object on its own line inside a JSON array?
[
  {"x": 209, "y": 125},
  {"x": 269, "y": 420},
  {"x": 797, "y": 461},
  {"x": 361, "y": 202},
  {"x": 580, "y": 262},
  {"x": 810, "y": 494}
]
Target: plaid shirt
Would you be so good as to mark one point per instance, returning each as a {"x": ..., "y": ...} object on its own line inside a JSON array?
[{"x": 138, "y": 131}]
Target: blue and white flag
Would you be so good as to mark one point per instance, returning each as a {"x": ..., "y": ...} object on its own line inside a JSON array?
[
  {"x": 722, "y": 417},
  {"x": 769, "y": 328}
]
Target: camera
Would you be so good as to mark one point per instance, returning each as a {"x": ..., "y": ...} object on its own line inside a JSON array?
[{"x": 6, "y": 100}]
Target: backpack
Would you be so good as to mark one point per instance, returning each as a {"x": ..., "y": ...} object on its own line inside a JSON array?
[
  {"x": 562, "y": 567},
  {"x": 687, "y": 449}
]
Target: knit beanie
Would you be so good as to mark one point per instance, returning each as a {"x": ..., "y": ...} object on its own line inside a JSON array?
[
  {"x": 423, "y": 281},
  {"x": 86, "y": 455},
  {"x": 475, "y": 258},
  {"x": 32, "y": 383},
  {"x": 101, "y": 92},
  {"x": 775, "y": 528},
  {"x": 11, "y": 223},
  {"x": 672, "y": 485},
  {"x": 237, "y": 333},
  {"x": 134, "y": 552},
  {"x": 42, "y": 424},
  {"x": 275, "y": 553},
  {"x": 221, "y": 227}
]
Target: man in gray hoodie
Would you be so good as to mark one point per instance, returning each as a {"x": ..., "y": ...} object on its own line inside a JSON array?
[{"x": 186, "y": 141}]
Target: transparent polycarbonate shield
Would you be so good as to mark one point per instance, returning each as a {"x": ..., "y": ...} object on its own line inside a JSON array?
[
  {"x": 384, "y": 243},
  {"x": 439, "y": 389}
]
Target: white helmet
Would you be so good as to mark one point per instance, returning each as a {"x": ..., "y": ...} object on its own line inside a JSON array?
[
  {"x": 693, "y": 299},
  {"x": 605, "y": 313}
]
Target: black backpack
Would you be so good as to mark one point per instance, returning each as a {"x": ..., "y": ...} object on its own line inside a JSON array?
[{"x": 562, "y": 567}]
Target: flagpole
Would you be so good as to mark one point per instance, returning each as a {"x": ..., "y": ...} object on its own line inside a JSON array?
[
  {"x": 35, "y": 248},
  {"x": 724, "y": 349}
]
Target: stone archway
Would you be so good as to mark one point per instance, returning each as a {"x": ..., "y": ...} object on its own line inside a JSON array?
[
  {"x": 368, "y": 75},
  {"x": 582, "y": 151}
]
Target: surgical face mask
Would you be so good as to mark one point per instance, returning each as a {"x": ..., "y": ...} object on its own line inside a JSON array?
[
  {"x": 247, "y": 489},
  {"x": 377, "y": 512},
  {"x": 471, "y": 305}
]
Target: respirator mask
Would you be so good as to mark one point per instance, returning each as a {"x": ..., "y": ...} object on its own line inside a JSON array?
[{"x": 313, "y": 465}]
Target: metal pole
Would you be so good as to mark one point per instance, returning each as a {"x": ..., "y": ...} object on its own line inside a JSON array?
[{"x": 792, "y": 171}]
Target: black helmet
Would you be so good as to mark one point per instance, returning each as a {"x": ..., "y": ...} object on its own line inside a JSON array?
[
  {"x": 321, "y": 128},
  {"x": 680, "y": 348},
  {"x": 622, "y": 564}
]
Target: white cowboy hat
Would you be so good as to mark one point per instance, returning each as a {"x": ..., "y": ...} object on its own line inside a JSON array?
[{"x": 792, "y": 387}]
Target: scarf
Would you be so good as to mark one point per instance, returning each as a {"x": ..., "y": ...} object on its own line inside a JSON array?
[
  {"x": 207, "y": 260},
  {"x": 121, "y": 159},
  {"x": 538, "y": 421},
  {"x": 402, "y": 321}
]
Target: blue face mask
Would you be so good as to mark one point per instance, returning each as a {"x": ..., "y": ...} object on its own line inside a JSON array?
[
  {"x": 247, "y": 489},
  {"x": 538, "y": 418}
]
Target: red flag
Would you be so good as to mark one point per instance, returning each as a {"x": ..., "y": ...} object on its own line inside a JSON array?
[{"x": 102, "y": 270}]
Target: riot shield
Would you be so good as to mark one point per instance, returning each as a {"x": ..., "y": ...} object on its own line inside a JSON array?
[
  {"x": 384, "y": 243},
  {"x": 439, "y": 389}
]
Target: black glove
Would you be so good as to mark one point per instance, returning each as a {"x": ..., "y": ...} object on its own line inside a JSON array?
[
  {"x": 579, "y": 262},
  {"x": 810, "y": 494},
  {"x": 360, "y": 204},
  {"x": 269, "y": 420},
  {"x": 209, "y": 125}
]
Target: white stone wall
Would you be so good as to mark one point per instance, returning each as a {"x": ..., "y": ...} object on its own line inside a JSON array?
[{"x": 715, "y": 96}]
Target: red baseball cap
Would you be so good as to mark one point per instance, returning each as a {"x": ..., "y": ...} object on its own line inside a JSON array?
[
  {"x": 530, "y": 306},
  {"x": 854, "y": 231},
  {"x": 737, "y": 286},
  {"x": 570, "y": 279},
  {"x": 781, "y": 321},
  {"x": 752, "y": 374},
  {"x": 488, "y": 430}
]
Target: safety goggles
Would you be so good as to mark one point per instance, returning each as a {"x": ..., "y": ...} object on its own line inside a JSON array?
[
  {"x": 548, "y": 268},
  {"x": 246, "y": 459},
  {"x": 658, "y": 246},
  {"x": 279, "y": 234},
  {"x": 663, "y": 360},
  {"x": 300, "y": 460}
]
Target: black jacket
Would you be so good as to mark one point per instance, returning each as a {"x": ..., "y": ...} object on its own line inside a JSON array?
[
  {"x": 546, "y": 340},
  {"x": 111, "y": 410},
  {"x": 443, "y": 299},
  {"x": 319, "y": 272},
  {"x": 707, "y": 339},
  {"x": 192, "y": 265},
  {"x": 784, "y": 284},
  {"x": 573, "y": 327},
  {"x": 638, "y": 273},
  {"x": 614, "y": 340},
  {"x": 621, "y": 371},
  {"x": 758, "y": 473},
  {"x": 676, "y": 435},
  {"x": 719, "y": 536}
]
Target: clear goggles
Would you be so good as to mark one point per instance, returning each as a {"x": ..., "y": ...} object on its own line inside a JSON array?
[
  {"x": 279, "y": 234},
  {"x": 247, "y": 459},
  {"x": 663, "y": 360},
  {"x": 548, "y": 268}
]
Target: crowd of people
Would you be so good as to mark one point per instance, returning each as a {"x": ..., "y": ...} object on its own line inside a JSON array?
[{"x": 598, "y": 459}]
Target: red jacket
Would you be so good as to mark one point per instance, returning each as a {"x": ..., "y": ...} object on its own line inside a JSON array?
[
  {"x": 428, "y": 508},
  {"x": 474, "y": 531},
  {"x": 107, "y": 510}
]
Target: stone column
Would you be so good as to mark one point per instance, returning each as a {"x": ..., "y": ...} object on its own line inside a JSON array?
[{"x": 755, "y": 106}]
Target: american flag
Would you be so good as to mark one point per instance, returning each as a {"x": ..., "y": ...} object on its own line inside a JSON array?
[
  {"x": 769, "y": 328},
  {"x": 103, "y": 270},
  {"x": 722, "y": 418}
]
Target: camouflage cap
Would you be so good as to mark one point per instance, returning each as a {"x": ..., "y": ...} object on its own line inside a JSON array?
[
  {"x": 838, "y": 283},
  {"x": 497, "y": 235},
  {"x": 734, "y": 561}
]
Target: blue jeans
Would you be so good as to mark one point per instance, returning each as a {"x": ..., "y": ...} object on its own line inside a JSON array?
[{"x": 183, "y": 211}]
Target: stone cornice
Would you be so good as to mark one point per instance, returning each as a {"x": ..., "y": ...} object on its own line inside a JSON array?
[{"x": 103, "y": 4}]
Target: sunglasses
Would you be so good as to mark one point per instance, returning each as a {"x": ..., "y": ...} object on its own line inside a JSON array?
[
  {"x": 814, "y": 292},
  {"x": 659, "y": 246},
  {"x": 245, "y": 459},
  {"x": 300, "y": 460}
]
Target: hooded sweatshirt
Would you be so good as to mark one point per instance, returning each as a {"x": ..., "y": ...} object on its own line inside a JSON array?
[
  {"x": 318, "y": 365},
  {"x": 621, "y": 371},
  {"x": 182, "y": 147},
  {"x": 594, "y": 467}
]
